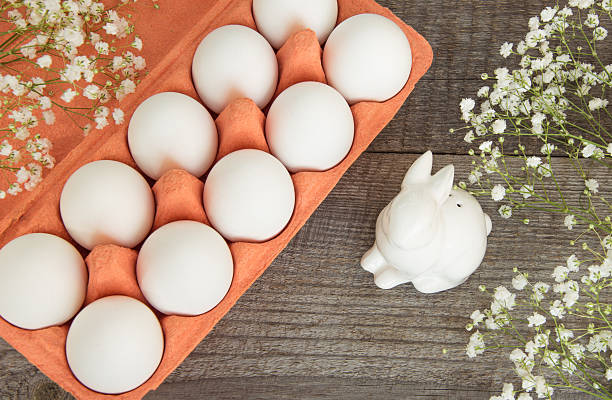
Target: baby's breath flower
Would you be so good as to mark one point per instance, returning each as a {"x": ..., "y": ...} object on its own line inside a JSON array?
[
  {"x": 499, "y": 126},
  {"x": 476, "y": 345},
  {"x": 477, "y": 317},
  {"x": 484, "y": 91},
  {"x": 498, "y": 192},
  {"x": 536, "y": 319},
  {"x": 600, "y": 33},
  {"x": 526, "y": 191},
  {"x": 547, "y": 148},
  {"x": 469, "y": 136},
  {"x": 557, "y": 95},
  {"x": 68, "y": 95},
  {"x": 44, "y": 61},
  {"x": 519, "y": 282},
  {"x": 545, "y": 170},
  {"x": 592, "y": 185},
  {"x": 597, "y": 103},
  {"x": 533, "y": 161},
  {"x": 570, "y": 221},
  {"x": 506, "y": 49},
  {"x": 485, "y": 146},
  {"x": 505, "y": 211}
]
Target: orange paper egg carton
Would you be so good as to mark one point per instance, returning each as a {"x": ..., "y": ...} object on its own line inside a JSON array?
[{"x": 178, "y": 194}]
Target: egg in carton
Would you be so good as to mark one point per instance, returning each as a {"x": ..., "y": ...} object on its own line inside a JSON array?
[{"x": 178, "y": 194}]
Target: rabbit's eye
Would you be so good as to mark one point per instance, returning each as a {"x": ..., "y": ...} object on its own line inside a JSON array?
[{"x": 459, "y": 205}]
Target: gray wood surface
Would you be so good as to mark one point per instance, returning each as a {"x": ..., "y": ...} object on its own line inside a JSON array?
[{"x": 314, "y": 325}]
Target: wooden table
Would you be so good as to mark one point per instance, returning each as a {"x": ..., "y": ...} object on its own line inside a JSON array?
[{"x": 314, "y": 325}]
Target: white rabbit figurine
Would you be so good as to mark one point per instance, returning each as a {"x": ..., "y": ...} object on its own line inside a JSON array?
[{"x": 430, "y": 234}]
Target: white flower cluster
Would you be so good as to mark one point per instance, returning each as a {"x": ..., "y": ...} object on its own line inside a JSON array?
[
  {"x": 551, "y": 343},
  {"x": 85, "y": 53},
  {"x": 558, "y": 95}
]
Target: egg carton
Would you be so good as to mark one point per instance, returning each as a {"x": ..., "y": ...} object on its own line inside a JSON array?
[{"x": 178, "y": 194}]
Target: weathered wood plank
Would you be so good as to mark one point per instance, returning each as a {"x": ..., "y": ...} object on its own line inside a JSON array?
[{"x": 316, "y": 323}]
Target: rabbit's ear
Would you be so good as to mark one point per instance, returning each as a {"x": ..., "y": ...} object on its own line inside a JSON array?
[
  {"x": 442, "y": 183},
  {"x": 420, "y": 171}
]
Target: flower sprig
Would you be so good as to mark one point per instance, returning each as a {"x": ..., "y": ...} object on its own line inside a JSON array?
[
  {"x": 568, "y": 329},
  {"x": 550, "y": 113},
  {"x": 557, "y": 97},
  {"x": 67, "y": 56}
]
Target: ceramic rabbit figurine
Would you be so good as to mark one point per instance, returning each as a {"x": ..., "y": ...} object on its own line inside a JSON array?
[{"x": 430, "y": 234}]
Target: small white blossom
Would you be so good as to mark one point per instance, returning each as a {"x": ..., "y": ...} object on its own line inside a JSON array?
[
  {"x": 68, "y": 95},
  {"x": 102, "y": 48},
  {"x": 126, "y": 87},
  {"x": 560, "y": 273},
  {"x": 118, "y": 116},
  {"x": 485, "y": 146},
  {"x": 504, "y": 297},
  {"x": 547, "y": 149},
  {"x": 592, "y": 20},
  {"x": 569, "y": 221},
  {"x": 547, "y": 14},
  {"x": 526, "y": 191},
  {"x": 557, "y": 309},
  {"x": 484, "y": 91},
  {"x": 542, "y": 388},
  {"x": 600, "y": 33},
  {"x": 588, "y": 150},
  {"x": 592, "y": 185},
  {"x": 498, "y": 192},
  {"x": 469, "y": 137},
  {"x": 49, "y": 117},
  {"x": 545, "y": 170},
  {"x": 533, "y": 161},
  {"x": 572, "y": 263},
  {"x": 506, "y": 49},
  {"x": 519, "y": 282},
  {"x": 505, "y": 211},
  {"x": 139, "y": 63},
  {"x": 499, "y": 126},
  {"x": 467, "y": 105},
  {"x": 137, "y": 44},
  {"x": 44, "y": 61},
  {"x": 91, "y": 92},
  {"x": 597, "y": 103},
  {"x": 477, "y": 317},
  {"x": 476, "y": 345},
  {"x": 536, "y": 320}
]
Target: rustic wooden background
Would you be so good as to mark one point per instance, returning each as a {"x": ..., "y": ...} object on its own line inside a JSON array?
[{"x": 314, "y": 325}]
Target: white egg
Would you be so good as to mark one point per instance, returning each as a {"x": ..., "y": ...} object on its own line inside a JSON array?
[
  {"x": 185, "y": 268},
  {"x": 43, "y": 280},
  {"x": 310, "y": 127},
  {"x": 233, "y": 62},
  {"x": 367, "y": 58},
  {"x": 171, "y": 130},
  {"x": 107, "y": 202},
  {"x": 249, "y": 196},
  {"x": 279, "y": 19},
  {"x": 114, "y": 344}
]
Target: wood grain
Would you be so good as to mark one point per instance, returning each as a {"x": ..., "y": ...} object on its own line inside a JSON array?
[{"x": 314, "y": 325}]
